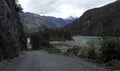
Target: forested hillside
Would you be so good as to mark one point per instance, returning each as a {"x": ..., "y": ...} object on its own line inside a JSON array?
[
  {"x": 98, "y": 21},
  {"x": 33, "y": 22}
]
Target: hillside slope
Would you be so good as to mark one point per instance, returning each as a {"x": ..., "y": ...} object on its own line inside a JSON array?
[
  {"x": 32, "y": 22},
  {"x": 98, "y": 21}
]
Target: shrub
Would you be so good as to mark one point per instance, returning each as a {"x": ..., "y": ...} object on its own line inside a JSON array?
[
  {"x": 9, "y": 48},
  {"x": 38, "y": 41},
  {"x": 113, "y": 65},
  {"x": 110, "y": 50},
  {"x": 92, "y": 54},
  {"x": 53, "y": 50},
  {"x": 75, "y": 50}
]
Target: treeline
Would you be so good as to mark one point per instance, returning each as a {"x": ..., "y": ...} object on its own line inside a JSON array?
[
  {"x": 57, "y": 34},
  {"x": 44, "y": 36}
]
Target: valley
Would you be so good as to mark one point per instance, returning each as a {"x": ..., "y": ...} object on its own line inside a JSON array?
[{"x": 45, "y": 42}]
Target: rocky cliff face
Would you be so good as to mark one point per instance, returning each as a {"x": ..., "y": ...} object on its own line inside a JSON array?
[{"x": 10, "y": 28}]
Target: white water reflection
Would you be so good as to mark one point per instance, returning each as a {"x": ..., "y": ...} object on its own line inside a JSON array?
[{"x": 89, "y": 40}]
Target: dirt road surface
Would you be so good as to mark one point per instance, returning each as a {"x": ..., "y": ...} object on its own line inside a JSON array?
[{"x": 43, "y": 61}]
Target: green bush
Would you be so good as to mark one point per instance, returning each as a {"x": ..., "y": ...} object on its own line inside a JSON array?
[
  {"x": 53, "y": 50},
  {"x": 9, "y": 48},
  {"x": 92, "y": 54},
  {"x": 110, "y": 50},
  {"x": 75, "y": 50},
  {"x": 114, "y": 65},
  {"x": 36, "y": 41},
  {"x": 39, "y": 41}
]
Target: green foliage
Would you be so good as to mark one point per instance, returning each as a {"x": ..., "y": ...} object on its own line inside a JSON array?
[
  {"x": 56, "y": 34},
  {"x": 110, "y": 50},
  {"x": 92, "y": 54},
  {"x": 53, "y": 50},
  {"x": 75, "y": 50},
  {"x": 39, "y": 41},
  {"x": 9, "y": 48},
  {"x": 93, "y": 50},
  {"x": 11, "y": 30},
  {"x": 115, "y": 64},
  {"x": 35, "y": 41}
]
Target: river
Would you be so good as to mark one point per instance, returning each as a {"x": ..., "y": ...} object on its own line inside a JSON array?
[{"x": 94, "y": 41}]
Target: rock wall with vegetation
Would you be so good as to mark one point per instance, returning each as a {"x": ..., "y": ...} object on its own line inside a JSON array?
[{"x": 11, "y": 29}]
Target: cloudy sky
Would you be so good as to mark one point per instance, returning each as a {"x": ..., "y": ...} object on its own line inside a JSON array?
[{"x": 61, "y": 8}]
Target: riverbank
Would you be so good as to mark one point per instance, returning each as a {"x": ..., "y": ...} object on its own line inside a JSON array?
[{"x": 64, "y": 46}]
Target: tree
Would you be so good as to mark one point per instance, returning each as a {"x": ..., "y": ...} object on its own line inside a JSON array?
[
  {"x": 36, "y": 41},
  {"x": 39, "y": 41}
]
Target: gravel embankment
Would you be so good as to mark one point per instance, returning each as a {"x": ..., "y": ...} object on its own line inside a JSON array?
[{"x": 65, "y": 45}]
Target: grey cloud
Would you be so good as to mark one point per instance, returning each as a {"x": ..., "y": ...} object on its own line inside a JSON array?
[
  {"x": 50, "y": 7},
  {"x": 41, "y": 6}
]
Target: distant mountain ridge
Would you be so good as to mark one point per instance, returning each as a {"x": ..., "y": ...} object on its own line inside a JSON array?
[
  {"x": 98, "y": 21},
  {"x": 32, "y": 22}
]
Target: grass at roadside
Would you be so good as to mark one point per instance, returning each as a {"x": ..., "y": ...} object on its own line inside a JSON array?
[{"x": 53, "y": 50}]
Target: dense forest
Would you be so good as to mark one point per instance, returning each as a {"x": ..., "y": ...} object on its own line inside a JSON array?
[{"x": 41, "y": 39}]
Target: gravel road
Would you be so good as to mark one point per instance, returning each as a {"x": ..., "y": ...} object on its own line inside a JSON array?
[{"x": 43, "y": 61}]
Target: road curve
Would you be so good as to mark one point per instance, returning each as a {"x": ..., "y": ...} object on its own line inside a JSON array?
[{"x": 43, "y": 61}]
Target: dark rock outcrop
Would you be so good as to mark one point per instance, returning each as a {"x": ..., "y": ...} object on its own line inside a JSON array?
[{"x": 10, "y": 28}]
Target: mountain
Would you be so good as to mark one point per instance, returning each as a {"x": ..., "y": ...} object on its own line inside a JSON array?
[
  {"x": 98, "y": 21},
  {"x": 32, "y": 22},
  {"x": 11, "y": 29}
]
